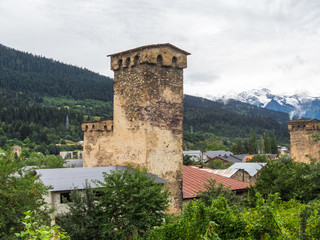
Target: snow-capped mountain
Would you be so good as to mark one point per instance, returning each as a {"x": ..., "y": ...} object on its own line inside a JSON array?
[{"x": 297, "y": 106}]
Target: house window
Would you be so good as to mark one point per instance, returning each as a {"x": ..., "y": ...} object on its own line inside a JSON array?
[
  {"x": 97, "y": 193},
  {"x": 65, "y": 197}
]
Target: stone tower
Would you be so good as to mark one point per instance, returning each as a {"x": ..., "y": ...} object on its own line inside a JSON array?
[
  {"x": 147, "y": 127},
  {"x": 302, "y": 144}
]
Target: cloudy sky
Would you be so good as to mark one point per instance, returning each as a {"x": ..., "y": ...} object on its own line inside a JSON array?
[{"x": 236, "y": 45}]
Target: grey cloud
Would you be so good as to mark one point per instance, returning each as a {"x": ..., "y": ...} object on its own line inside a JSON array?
[
  {"x": 223, "y": 36},
  {"x": 200, "y": 78}
]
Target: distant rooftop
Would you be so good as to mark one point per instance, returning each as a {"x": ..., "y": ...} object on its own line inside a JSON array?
[
  {"x": 249, "y": 167},
  {"x": 226, "y": 156},
  {"x": 192, "y": 152},
  {"x": 213, "y": 154}
]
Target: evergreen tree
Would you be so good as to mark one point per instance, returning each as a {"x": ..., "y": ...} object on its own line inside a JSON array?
[
  {"x": 252, "y": 142},
  {"x": 238, "y": 147},
  {"x": 274, "y": 145},
  {"x": 261, "y": 145},
  {"x": 267, "y": 142}
]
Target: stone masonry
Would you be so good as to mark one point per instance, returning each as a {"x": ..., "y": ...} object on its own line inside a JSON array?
[
  {"x": 302, "y": 144},
  {"x": 148, "y": 115}
]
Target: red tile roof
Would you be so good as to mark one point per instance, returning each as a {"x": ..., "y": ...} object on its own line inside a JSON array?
[{"x": 194, "y": 180}]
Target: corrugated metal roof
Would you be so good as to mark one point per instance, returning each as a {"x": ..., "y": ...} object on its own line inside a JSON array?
[
  {"x": 194, "y": 180},
  {"x": 65, "y": 179},
  {"x": 225, "y": 172},
  {"x": 251, "y": 168}
]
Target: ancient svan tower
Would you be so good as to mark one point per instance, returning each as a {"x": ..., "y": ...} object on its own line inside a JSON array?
[
  {"x": 148, "y": 115},
  {"x": 302, "y": 143}
]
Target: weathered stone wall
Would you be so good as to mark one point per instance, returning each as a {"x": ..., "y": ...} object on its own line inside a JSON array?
[
  {"x": 302, "y": 144},
  {"x": 241, "y": 175},
  {"x": 148, "y": 116}
]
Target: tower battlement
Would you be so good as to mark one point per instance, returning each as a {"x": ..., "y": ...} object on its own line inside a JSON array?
[
  {"x": 100, "y": 126},
  {"x": 302, "y": 145},
  {"x": 304, "y": 125},
  {"x": 166, "y": 55}
]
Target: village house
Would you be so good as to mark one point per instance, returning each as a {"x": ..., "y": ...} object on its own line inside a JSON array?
[
  {"x": 195, "y": 155},
  {"x": 17, "y": 150},
  {"x": 283, "y": 150},
  {"x": 63, "y": 180},
  {"x": 237, "y": 174},
  {"x": 71, "y": 154},
  {"x": 195, "y": 179},
  {"x": 251, "y": 168}
]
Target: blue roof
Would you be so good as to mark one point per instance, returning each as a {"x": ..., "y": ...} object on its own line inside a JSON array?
[{"x": 66, "y": 179}]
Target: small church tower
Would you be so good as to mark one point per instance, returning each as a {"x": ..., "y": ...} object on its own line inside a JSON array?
[
  {"x": 147, "y": 127},
  {"x": 302, "y": 144}
]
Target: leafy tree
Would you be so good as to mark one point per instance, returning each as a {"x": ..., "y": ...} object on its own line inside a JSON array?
[
  {"x": 84, "y": 220},
  {"x": 218, "y": 164},
  {"x": 199, "y": 221},
  {"x": 36, "y": 231},
  {"x": 269, "y": 219},
  {"x": 259, "y": 158},
  {"x": 216, "y": 146},
  {"x": 187, "y": 160},
  {"x": 292, "y": 180},
  {"x": 20, "y": 191},
  {"x": 212, "y": 192},
  {"x": 131, "y": 203},
  {"x": 124, "y": 206},
  {"x": 42, "y": 161}
]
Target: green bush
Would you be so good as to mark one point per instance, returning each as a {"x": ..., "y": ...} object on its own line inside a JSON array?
[
  {"x": 129, "y": 203},
  {"x": 20, "y": 191}
]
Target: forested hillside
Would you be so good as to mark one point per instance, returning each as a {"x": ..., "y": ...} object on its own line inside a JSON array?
[
  {"x": 234, "y": 119},
  {"x": 27, "y": 73},
  {"x": 37, "y": 94}
]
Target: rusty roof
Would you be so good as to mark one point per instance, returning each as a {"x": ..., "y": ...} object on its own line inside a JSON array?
[
  {"x": 150, "y": 46},
  {"x": 194, "y": 180}
]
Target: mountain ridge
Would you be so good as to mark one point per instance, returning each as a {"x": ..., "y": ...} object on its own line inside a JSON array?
[
  {"x": 39, "y": 78},
  {"x": 297, "y": 106}
]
